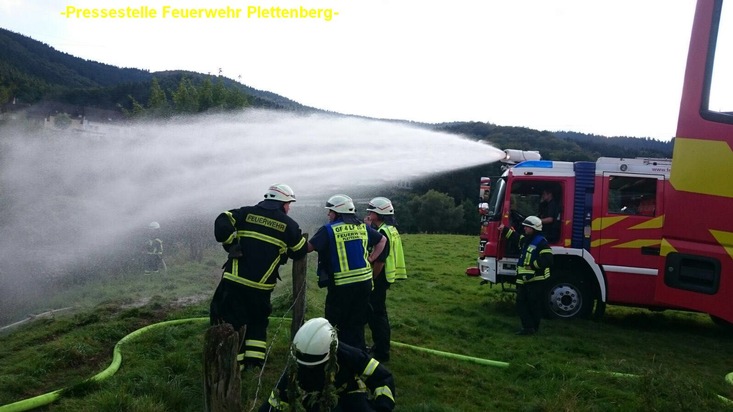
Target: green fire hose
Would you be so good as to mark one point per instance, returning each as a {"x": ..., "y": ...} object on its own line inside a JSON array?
[{"x": 45, "y": 399}]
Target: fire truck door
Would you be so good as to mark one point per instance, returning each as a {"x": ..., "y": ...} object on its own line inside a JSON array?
[{"x": 627, "y": 235}]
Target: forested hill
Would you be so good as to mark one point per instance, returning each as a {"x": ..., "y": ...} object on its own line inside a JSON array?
[
  {"x": 619, "y": 146},
  {"x": 567, "y": 146},
  {"x": 32, "y": 72}
]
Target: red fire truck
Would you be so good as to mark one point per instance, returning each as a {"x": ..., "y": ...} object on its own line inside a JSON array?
[{"x": 654, "y": 233}]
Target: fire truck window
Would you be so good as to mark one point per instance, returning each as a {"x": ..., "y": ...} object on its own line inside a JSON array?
[
  {"x": 632, "y": 196},
  {"x": 526, "y": 205},
  {"x": 720, "y": 99}
]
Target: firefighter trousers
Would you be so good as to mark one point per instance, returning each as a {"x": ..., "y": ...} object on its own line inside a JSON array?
[
  {"x": 241, "y": 306},
  {"x": 378, "y": 320},
  {"x": 347, "y": 308},
  {"x": 529, "y": 304}
]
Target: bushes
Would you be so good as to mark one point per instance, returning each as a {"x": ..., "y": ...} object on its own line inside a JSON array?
[{"x": 435, "y": 212}]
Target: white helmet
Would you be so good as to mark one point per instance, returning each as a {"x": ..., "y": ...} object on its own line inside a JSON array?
[
  {"x": 313, "y": 342},
  {"x": 280, "y": 192},
  {"x": 341, "y": 204},
  {"x": 381, "y": 206},
  {"x": 534, "y": 222},
  {"x": 154, "y": 225}
]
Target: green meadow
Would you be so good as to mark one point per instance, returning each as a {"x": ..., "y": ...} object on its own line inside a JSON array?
[{"x": 454, "y": 345}]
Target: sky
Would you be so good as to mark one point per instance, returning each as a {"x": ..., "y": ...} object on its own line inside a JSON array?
[{"x": 607, "y": 67}]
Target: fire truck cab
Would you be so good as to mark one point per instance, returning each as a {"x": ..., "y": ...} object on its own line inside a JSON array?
[
  {"x": 606, "y": 242},
  {"x": 640, "y": 232}
]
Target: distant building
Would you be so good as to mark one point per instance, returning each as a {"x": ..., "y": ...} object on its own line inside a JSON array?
[
  {"x": 403, "y": 185},
  {"x": 62, "y": 116}
]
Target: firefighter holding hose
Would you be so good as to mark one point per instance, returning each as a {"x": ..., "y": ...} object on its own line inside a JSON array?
[{"x": 258, "y": 239}]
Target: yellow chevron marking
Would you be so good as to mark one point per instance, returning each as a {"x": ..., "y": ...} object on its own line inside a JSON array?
[
  {"x": 601, "y": 242},
  {"x": 655, "y": 223},
  {"x": 638, "y": 243},
  {"x": 725, "y": 239},
  {"x": 666, "y": 248},
  {"x": 604, "y": 222},
  {"x": 697, "y": 163}
]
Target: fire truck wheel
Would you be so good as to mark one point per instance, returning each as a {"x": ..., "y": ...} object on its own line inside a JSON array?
[{"x": 568, "y": 297}]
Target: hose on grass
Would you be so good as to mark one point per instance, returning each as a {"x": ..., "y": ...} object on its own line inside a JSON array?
[
  {"x": 480, "y": 361},
  {"x": 47, "y": 398}
]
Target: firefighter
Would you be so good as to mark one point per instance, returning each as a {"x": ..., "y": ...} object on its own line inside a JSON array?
[
  {"x": 533, "y": 266},
  {"x": 550, "y": 213},
  {"x": 258, "y": 239},
  {"x": 153, "y": 249},
  {"x": 344, "y": 267},
  {"x": 361, "y": 383},
  {"x": 389, "y": 266}
]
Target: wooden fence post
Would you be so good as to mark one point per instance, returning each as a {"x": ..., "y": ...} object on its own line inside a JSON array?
[
  {"x": 222, "y": 380},
  {"x": 300, "y": 267}
]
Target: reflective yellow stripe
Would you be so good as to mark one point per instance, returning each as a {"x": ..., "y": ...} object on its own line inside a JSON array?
[
  {"x": 394, "y": 265},
  {"x": 299, "y": 245},
  {"x": 268, "y": 239},
  {"x": 265, "y": 238},
  {"x": 255, "y": 343},
  {"x": 231, "y": 218},
  {"x": 341, "y": 234},
  {"x": 536, "y": 278},
  {"x": 361, "y": 386},
  {"x": 254, "y": 354},
  {"x": 230, "y": 239},
  {"x": 234, "y": 276},
  {"x": 271, "y": 269},
  {"x": 384, "y": 391},
  {"x": 247, "y": 282},
  {"x": 352, "y": 276},
  {"x": 341, "y": 253},
  {"x": 370, "y": 368},
  {"x": 528, "y": 267},
  {"x": 233, "y": 222},
  {"x": 275, "y": 402}
]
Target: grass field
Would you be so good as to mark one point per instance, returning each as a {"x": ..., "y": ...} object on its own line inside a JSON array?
[{"x": 633, "y": 360}]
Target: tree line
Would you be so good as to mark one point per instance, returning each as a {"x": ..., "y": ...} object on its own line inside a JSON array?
[{"x": 186, "y": 98}]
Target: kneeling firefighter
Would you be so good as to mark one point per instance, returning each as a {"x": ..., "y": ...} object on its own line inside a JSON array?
[{"x": 326, "y": 367}]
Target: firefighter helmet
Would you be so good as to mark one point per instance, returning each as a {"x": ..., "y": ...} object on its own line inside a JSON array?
[
  {"x": 154, "y": 225},
  {"x": 534, "y": 222},
  {"x": 381, "y": 206},
  {"x": 313, "y": 341},
  {"x": 280, "y": 192},
  {"x": 341, "y": 204}
]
